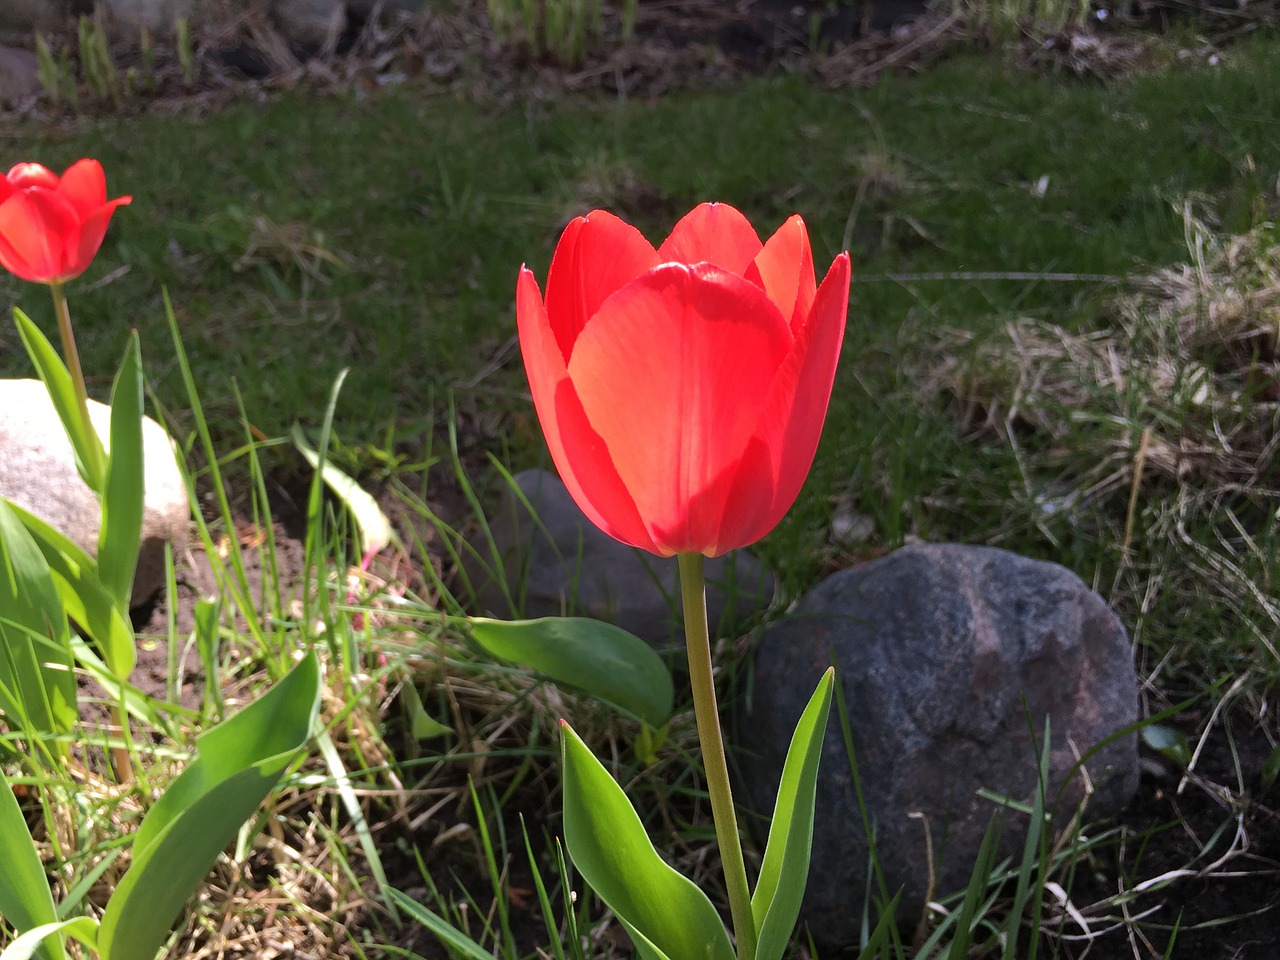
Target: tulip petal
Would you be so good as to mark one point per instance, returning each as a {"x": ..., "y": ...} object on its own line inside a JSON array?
[
  {"x": 597, "y": 254},
  {"x": 84, "y": 185},
  {"x": 784, "y": 268},
  {"x": 580, "y": 456},
  {"x": 780, "y": 454},
  {"x": 25, "y": 175},
  {"x": 83, "y": 248},
  {"x": 712, "y": 233},
  {"x": 34, "y": 225},
  {"x": 672, "y": 373}
]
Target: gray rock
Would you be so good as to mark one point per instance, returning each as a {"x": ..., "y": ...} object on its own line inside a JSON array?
[
  {"x": 563, "y": 564},
  {"x": 158, "y": 16},
  {"x": 38, "y": 472},
  {"x": 310, "y": 23},
  {"x": 949, "y": 657},
  {"x": 19, "y": 75}
]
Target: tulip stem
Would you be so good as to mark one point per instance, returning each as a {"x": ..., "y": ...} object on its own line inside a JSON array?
[
  {"x": 707, "y": 714},
  {"x": 121, "y": 757},
  {"x": 72, "y": 356}
]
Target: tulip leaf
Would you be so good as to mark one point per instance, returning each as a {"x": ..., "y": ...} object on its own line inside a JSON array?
[
  {"x": 84, "y": 598},
  {"x": 668, "y": 916},
  {"x": 596, "y": 657},
  {"x": 25, "y": 900},
  {"x": 85, "y": 442},
  {"x": 775, "y": 905},
  {"x": 422, "y": 726},
  {"x": 24, "y": 947},
  {"x": 122, "y": 493},
  {"x": 37, "y": 686},
  {"x": 238, "y": 764}
]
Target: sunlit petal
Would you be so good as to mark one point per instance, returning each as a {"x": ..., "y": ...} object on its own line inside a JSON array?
[
  {"x": 712, "y": 233},
  {"x": 597, "y": 254},
  {"x": 579, "y": 454},
  {"x": 672, "y": 374},
  {"x": 84, "y": 185},
  {"x": 781, "y": 452},
  {"x": 34, "y": 224},
  {"x": 785, "y": 269}
]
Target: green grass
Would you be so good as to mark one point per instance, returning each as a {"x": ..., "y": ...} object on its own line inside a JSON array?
[
  {"x": 305, "y": 235},
  {"x": 432, "y": 202}
]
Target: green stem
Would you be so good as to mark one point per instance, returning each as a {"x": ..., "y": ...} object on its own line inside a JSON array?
[
  {"x": 72, "y": 357},
  {"x": 707, "y": 713},
  {"x": 121, "y": 756}
]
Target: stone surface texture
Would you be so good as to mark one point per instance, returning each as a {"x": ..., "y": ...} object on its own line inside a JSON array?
[
  {"x": 38, "y": 472},
  {"x": 19, "y": 78},
  {"x": 948, "y": 656},
  {"x": 158, "y": 16},
  {"x": 310, "y": 23},
  {"x": 568, "y": 566}
]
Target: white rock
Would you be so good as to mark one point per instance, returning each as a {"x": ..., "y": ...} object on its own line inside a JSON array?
[{"x": 38, "y": 472}]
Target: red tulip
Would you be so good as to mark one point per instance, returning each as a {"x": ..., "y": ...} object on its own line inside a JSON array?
[
  {"x": 51, "y": 227},
  {"x": 682, "y": 390}
]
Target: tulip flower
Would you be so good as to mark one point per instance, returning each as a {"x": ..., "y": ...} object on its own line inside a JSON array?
[
  {"x": 51, "y": 227},
  {"x": 50, "y": 230},
  {"x": 682, "y": 390}
]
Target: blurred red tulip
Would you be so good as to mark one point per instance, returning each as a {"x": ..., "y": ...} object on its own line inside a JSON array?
[
  {"x": 51, "y": 227},
  {"x": 682, "y": 390}
]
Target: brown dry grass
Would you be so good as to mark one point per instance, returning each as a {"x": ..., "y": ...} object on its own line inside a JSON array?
[{"x": 1185, "y": 369}]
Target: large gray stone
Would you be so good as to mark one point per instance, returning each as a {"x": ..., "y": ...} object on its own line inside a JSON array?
[
  {"x": 311, "y": 23},
  {"x": 158, "y": 16},
  {"x": 562, "y": 564},
  {"x": 19, "y": 75},
  {"x": 950, "y": 658},
  {"x": 38, "y": 472}
]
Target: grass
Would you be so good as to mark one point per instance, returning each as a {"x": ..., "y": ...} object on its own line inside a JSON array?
[{"x": 987, "y": 208}]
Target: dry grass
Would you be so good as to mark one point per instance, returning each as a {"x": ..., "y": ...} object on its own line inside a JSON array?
[{"x": 1183, "y": 377}]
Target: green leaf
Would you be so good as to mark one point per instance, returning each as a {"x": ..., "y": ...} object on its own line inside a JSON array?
[
  {"x": 85, "y": 442},
  {"x": 26, "y": 946},
  {"x": 375, "y": 528},
  {"x": 25, "y": 900},
  {"x": 122, "y": 494},
  {"x": 37, "y": 686},
  {"x": 84, "y": 598},
  {"x": 238, "y": 764},
  {"x": 775, "y": 905},
  {"x": 597, "y": 657},
  {"x": 666, "y": 914},
  {"x": 422, "y": 725}
]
